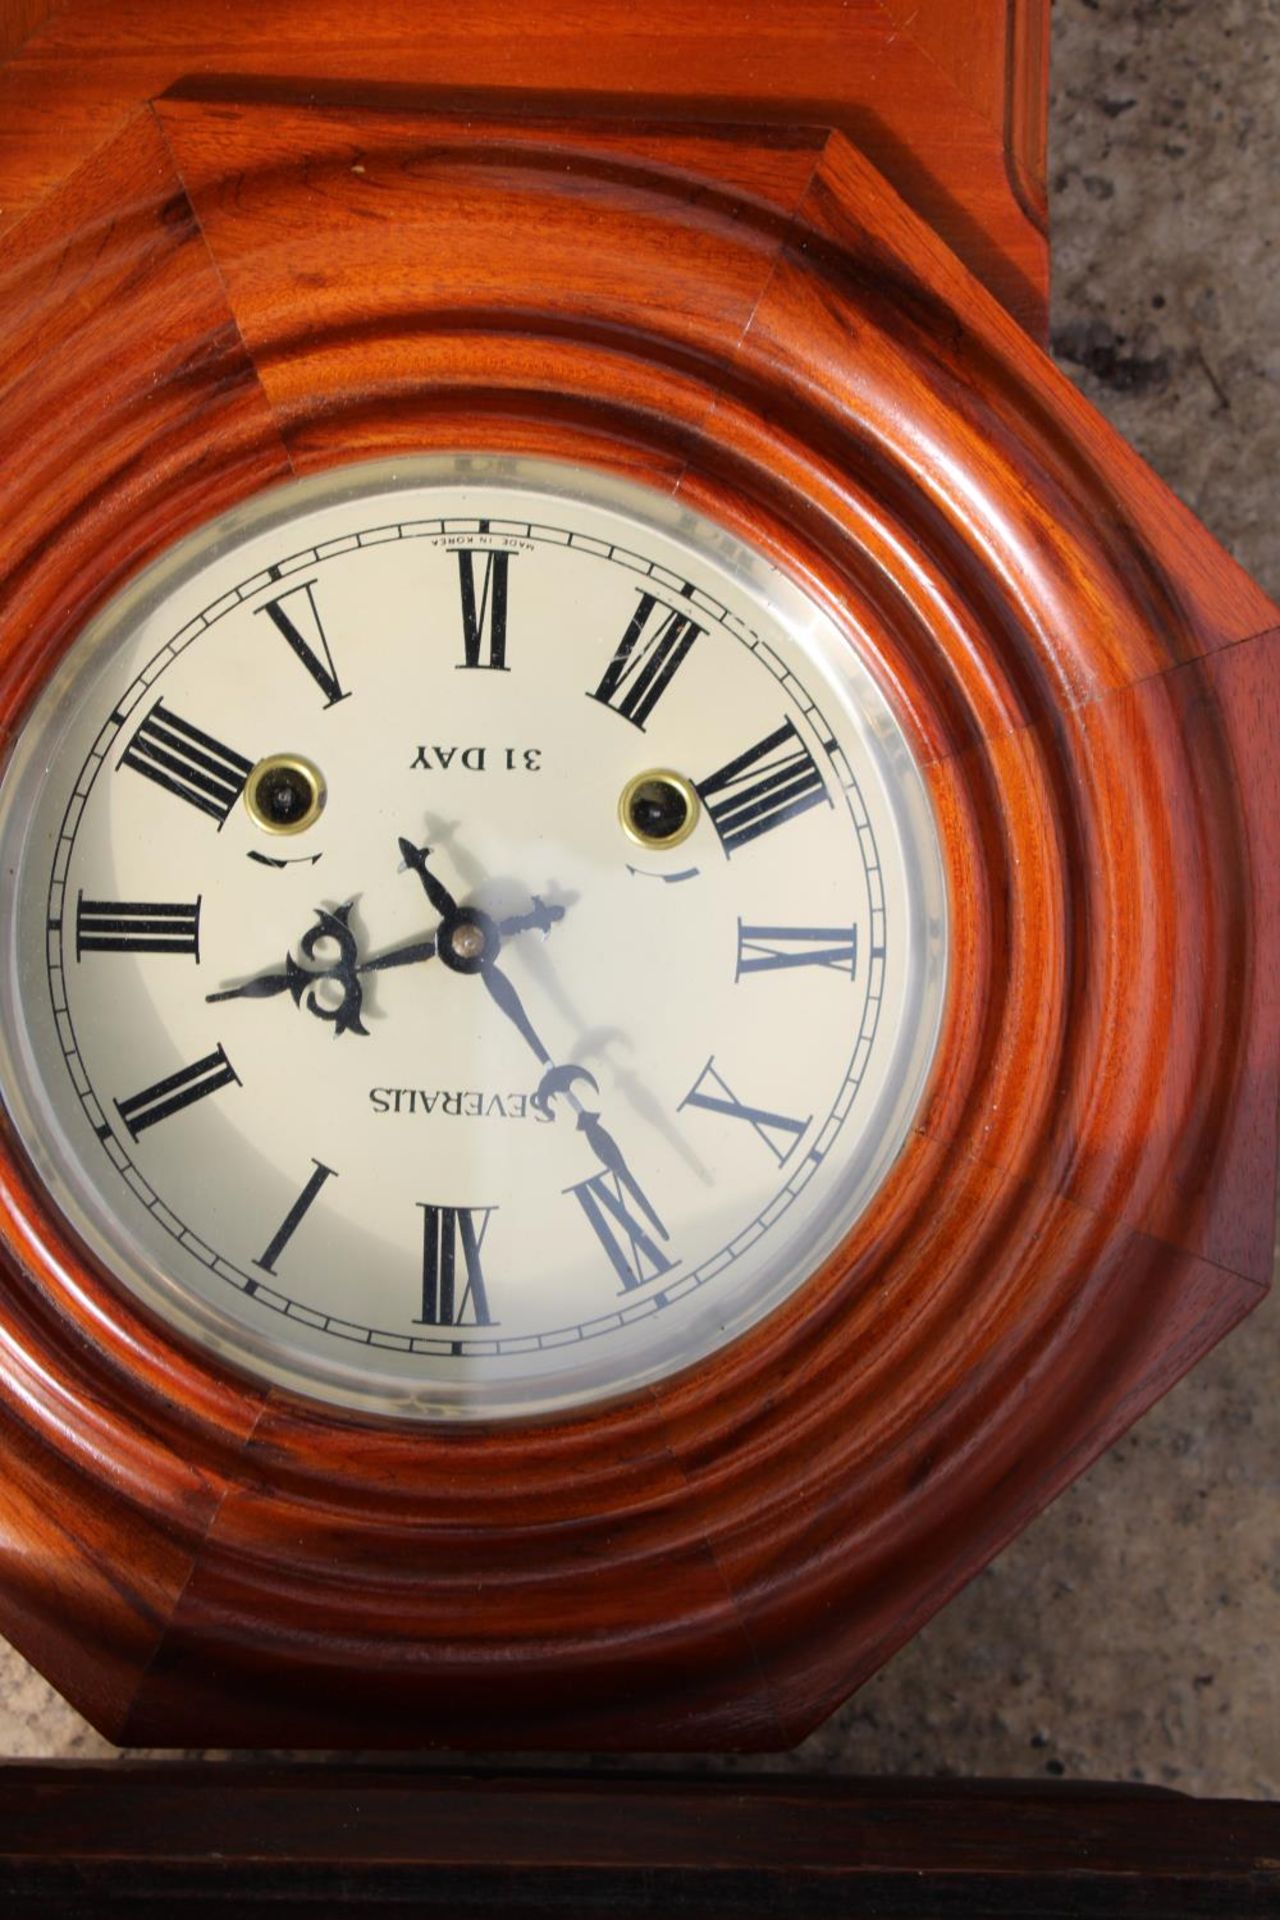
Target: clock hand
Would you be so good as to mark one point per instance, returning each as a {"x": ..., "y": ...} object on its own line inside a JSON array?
[
  {"x": 609, "y": 1154},
  {"x": 301, "y": 982},
  {"x": 264, "y": 986},
  {"x": 437, "y": 893},
  {"x": 504, "y": 995},
  {"x": 399, "y": 956},
  {"x": 541, "y": 918},
  {"x": 559, "y": 1080}
]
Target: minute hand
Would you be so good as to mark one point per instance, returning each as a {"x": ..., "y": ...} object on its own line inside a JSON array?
[
  {"x": 504, "y": 995},
  {"x": 596, "y": 1135}
]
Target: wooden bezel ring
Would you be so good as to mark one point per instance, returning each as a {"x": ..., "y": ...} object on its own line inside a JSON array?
[{"x": 231, "y": 293}]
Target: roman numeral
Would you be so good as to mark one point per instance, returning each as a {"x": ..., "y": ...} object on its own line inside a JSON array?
[
  {"x": 137, "y": 926},
  {"x": 178, "y": 1090},
  {"x": 633, "y": 1252},
  {"x": 768, "y": 949},
  {"x": 646, "y": 660},
  {"x": 302, "y": 629},
  {"x": 292, "y": 1220},
  {"x": 771, "y": 782},
  {"x": 778, "y": 1131},
  {"x": 484, "y": 609},
  {"x": 184, "y": 760},
  {"x": 453, "y": 1289}
]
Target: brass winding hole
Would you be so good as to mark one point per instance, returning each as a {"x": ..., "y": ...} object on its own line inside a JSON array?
[
  {"x": 658, "y": 809},
  {"x": 285, "y": 793}
]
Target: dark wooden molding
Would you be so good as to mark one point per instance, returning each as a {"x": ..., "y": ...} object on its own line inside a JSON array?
[{"x": 258, "y": 1840}]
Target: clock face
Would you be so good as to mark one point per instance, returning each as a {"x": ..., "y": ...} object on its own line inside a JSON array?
[{"x": 474, "y": 937}]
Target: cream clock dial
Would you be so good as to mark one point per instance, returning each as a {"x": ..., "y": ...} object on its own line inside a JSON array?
[{"x": 474, "y": 937}]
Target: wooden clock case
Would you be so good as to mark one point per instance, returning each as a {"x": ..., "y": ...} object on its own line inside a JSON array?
[{"x": 241, "y": 284}]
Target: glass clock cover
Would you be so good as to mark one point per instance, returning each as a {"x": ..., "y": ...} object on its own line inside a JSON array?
[{"x": 474, "y": 937}]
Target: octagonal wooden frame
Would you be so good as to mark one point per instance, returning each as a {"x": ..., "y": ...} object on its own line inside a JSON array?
[{"x": 233, "y": 291}]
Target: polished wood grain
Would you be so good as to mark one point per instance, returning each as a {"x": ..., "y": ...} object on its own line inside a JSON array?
[
  {"x": 946, "y": 98},
  {"x": 752, "y": 321},
  {"x": 18, "y": 21},
  {"x": 268, "y": 1840}
]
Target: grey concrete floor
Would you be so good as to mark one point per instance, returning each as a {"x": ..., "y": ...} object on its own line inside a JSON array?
[{"x": 1134, "y": 1631}]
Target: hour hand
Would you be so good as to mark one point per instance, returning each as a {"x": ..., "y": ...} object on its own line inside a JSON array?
[
  {"x": 265, "y": 986},
  {"x": 437, "y": 893},
  {"x": 399, "y": 956},
  {"x": 302, "y": 982}
]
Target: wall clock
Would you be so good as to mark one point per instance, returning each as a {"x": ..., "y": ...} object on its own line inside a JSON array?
[{"x": 637, "y": 871}]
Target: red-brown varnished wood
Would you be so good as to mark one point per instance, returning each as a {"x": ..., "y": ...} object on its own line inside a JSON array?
[
  {"x": 753, "y": 322},
  {"x": 18, "y": 21},
  {"x": 119, "y": 242},
  {"x": 948, "y": 99}
]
